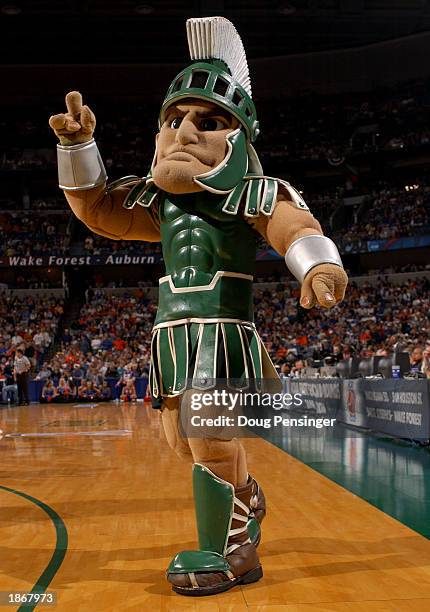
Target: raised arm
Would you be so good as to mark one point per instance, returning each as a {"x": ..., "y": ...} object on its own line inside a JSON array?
[
  {"x": 83, "y": 178},
  {"x": 103, "y": 213}
]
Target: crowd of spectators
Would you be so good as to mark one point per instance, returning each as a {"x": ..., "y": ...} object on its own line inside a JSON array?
[
  {"x": 28, "y": 324},
  {"x": 102, "y": 354},
  {"x": 388, "y": 214},
  {"x": 45, "y": 203},
  {"x": 306, "y": 127},
  {"x": 28, "y": 233},
  {"x": 109, "y": 340},
  {"x": 99, "y": 245},
  {"x": 370, "y": 321}
]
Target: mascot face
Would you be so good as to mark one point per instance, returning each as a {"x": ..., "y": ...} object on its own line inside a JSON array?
[{"x": 192, "y": 141}]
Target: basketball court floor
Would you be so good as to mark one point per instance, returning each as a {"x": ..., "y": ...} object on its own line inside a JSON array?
[{"x": 93, "y": 505}]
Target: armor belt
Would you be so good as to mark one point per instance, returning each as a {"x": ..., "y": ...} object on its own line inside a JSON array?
[{"x": 228, "y": 296}]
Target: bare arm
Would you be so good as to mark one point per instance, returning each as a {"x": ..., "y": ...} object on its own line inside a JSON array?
[
  {"x": 325, "y": 283},
  {"x": 103, "y": 213},
  {"x": 287, "y": 224},
  {"x": 99, "y": 209}
]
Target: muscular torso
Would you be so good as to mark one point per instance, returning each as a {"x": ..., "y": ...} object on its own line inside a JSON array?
[
  {"x": 199, "y": 242},
  {"x": 199, "y": 239}
]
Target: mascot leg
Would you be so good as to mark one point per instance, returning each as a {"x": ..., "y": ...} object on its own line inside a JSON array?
[
  {"x": 221, "y": 481},
  {"x": 226, "y": 458},
  {"x": 226, "y": 556},
  {"x": 170, "y": 420}
]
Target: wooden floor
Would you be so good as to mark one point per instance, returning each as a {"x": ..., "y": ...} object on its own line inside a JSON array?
[{"x": 126, "y": 503}]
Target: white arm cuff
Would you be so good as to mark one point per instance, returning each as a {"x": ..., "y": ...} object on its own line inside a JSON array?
[
  {"x": 80, "y": 166},
  {"x": 309, "y": 251}
]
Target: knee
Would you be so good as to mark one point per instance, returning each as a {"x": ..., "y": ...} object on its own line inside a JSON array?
[
  {"x": 179, "y": 445},
  {"x": 183, "y": 451},
  {"x": 209, "y": 450}
]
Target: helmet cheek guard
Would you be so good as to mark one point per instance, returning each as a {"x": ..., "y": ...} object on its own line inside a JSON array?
[{"x": 224, "y": 177}]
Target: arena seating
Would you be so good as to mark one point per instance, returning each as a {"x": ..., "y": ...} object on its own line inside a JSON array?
[
  {"x": 110, "y": 337},
  {"x": 318, "y": 143}
]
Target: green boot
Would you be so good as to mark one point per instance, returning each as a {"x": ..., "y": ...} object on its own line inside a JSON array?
[{"x": 227, "y": 557}]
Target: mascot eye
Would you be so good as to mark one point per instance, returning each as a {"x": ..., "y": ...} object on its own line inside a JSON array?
[
  {"x": 211, "y": 125},
  {"x": 176, "y": 123}
]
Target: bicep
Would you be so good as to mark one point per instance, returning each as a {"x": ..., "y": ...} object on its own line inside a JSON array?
[
  {"x": 287, "y": 224},
  {"x": 103, "y": 213}
]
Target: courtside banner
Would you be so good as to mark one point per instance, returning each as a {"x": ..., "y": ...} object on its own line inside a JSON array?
[
  {"x": 49, "y": 261},
  {"x": 396, "y": 407},
  {"x": 319, "y": 395}
]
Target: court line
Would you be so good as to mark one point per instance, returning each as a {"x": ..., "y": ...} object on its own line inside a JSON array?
[{"x": 59, "y": 553}]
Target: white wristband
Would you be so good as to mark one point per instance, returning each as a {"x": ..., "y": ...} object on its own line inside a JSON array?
[
  {"x": 309, "y": 251},
  {"x": 80, "y": 166}
]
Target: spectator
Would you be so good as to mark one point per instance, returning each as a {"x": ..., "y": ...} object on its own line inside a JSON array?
[
  {"x": 49, "y": 392},
  {"x": 9, "y": 385},
  {"x": 416, "y": 359},
  {"x": 21, "y": 374},
  {"x": 425, "y": 368},
  {"x": 64, "y": 389},
  {"x": 105, "y": 392},
  {"x": 44, "y": 373},
  {"x": 77, "y": 375}
]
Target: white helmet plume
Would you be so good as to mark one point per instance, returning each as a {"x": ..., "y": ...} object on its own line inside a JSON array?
[{"x": 217, "y": 38}]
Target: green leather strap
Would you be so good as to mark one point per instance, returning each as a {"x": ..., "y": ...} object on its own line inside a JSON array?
[
  {"x": 197, "y": 561},
  {"x": 254, "y": 530}
]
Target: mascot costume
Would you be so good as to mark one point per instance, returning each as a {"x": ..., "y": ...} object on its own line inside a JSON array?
[{"x": 207, "y": 199}]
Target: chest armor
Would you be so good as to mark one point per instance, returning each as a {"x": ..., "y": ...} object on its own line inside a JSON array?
[
  {"x": 209, "y": 257},
  {"x": 199, "y": 239},
  {"x": 209, "y": 248}
]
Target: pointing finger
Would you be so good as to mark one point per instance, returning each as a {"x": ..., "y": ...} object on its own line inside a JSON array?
[
  {"x": 323, "y": 292},
  {"x": 74, "y": 103}
]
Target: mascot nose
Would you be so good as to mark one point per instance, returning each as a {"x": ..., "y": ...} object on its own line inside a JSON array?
[{"x": 187, "y": 133}]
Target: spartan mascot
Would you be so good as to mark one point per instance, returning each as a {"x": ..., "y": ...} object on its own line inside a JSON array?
[{"x": 207, "y": 199}]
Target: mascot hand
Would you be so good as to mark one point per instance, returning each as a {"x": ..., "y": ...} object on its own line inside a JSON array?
[
  {"x": 324, "y": 284},
  {"x": 75, "y": 126}
]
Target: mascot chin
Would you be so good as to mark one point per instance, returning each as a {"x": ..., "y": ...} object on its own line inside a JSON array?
[{"x": 207, "y": 199}]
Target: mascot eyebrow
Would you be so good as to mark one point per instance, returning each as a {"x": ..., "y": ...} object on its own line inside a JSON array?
[{"x": 207, "y": 112}]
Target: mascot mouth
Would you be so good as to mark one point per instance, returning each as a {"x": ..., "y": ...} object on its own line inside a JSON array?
[
  {"x": 186, "y": 155},
  {"x": 180, "y": 156}
]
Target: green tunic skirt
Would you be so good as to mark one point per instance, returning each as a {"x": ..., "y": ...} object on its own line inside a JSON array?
[{"x": 197, "y": 354}]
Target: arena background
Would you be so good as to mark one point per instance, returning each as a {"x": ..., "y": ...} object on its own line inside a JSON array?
[{"x": 342, "y": 89}]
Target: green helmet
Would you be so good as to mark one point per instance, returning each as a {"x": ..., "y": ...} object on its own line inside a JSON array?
[
  {"x": 219, "y": 74},
  {"x": 211, "y": 80}
]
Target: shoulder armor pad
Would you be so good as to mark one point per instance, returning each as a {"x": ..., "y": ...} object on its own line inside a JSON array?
[
  {"x": 260, "y": 194},
  {"x": 143, "y": 192},
  {"x": 295, "y": 196},
  {"x": 122, "y": 182}
]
